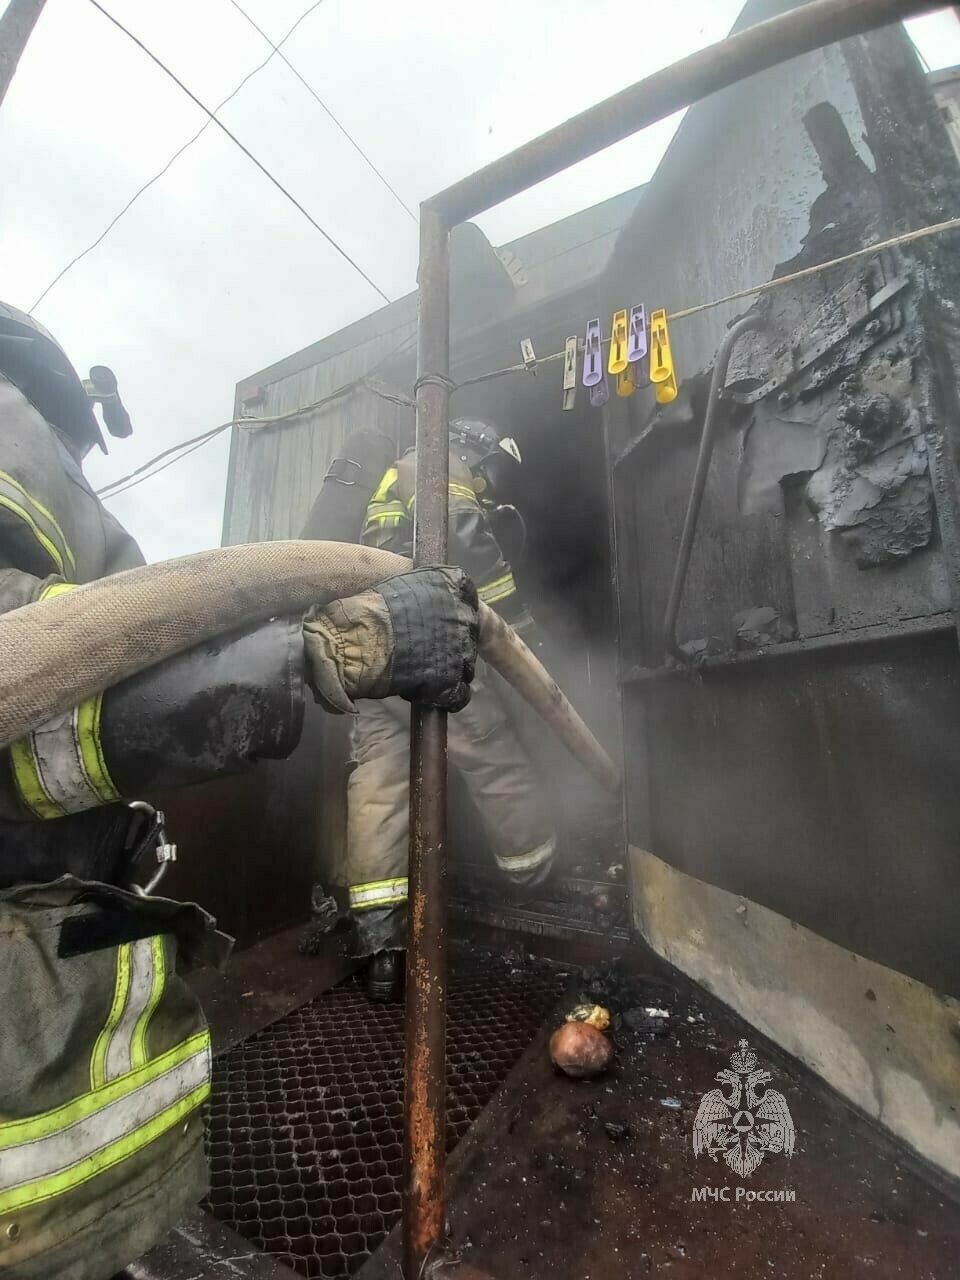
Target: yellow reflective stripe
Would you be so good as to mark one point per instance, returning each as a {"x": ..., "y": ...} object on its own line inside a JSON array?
[
  {"x": 15, "y": 1132},
  {"x": 26, "y": 775},
  {"x": 44, "y": 511},
  {"x": 98, "y": 1059},
  {"x": 60, "y": 767},
  {"x": 57, "y": 589},
  {"x": 91, "y": 748},
  {"x": 462, "y": 491},
  {"x": 385, "y": 485},
  {"x": 392, "y": 510},
  {"x": 499, "y": 589},
  {"x": 454, "y": 490},
  {"x": 530, "y": 859},
  {"x": 378, "y": 893},
  {"x": 139, "y": 1048},
  {"x": 498, "y": 582},
  {"x": 48, "y": 546},
  {"x": 368, "y": 905},
  {"x": 85, "y": 1170}
]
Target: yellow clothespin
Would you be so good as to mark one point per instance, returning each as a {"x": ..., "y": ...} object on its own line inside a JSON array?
[
  {"x": 626, "y": 381},
  {"x": 662, "y": 373},
  {"x": 618, "y": 343}
]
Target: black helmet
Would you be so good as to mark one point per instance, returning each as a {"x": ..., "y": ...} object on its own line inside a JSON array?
[
  {"x": 35, "y": 362},
  {"x": 493, "y": 459}
]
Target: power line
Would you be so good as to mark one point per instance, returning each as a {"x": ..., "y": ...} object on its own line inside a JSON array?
[
  {"x": 246, "y": 151},
  {"x": 176, "y": 156},
  {"x": 199, "y": 442},
  {"x": 905, "y": 237},
  {"x": 185, "y": 447},
  {"x": 202, "y": 438},
  {"x": 320, "y": 102}
]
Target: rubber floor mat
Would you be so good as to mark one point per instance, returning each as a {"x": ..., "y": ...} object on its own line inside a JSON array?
[{"x": 306, "y": 1118}]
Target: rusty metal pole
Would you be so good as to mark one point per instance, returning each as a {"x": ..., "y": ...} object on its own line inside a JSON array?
[
  {"x": 425, "y": 1064},
  {"x": 758, "y": 48},
  {"x": 18, "y": 21},
  {"x": 808, "y": 27}
]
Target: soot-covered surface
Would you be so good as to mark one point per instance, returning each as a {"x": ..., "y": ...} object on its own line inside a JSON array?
[
  {"x": 306, "y": 1116},
  {"x": 595, "y": 1180}
]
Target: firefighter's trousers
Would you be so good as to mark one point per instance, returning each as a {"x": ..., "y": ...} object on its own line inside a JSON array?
[{"x": 485, "y": 750}]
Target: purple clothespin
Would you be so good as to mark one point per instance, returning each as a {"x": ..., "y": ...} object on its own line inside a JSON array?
[
  {"x": 637, "y": 334},
  {"x": 599, "y": 393},
  {"x": 592, "y": 356}
]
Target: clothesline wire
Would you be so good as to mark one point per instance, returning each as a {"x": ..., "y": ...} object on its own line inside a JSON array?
[{"x": 195, "y": 442}]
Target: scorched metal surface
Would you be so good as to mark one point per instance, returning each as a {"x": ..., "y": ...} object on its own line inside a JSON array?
[{"x": 306, "y": 1116}]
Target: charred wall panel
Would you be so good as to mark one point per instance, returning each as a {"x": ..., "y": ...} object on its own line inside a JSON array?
[
  {"x": 817, "y": 783},
  {"x": 825, "y": 791}
]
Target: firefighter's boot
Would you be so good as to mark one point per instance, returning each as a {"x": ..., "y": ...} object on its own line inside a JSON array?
[{"x": 383, "y": 980}]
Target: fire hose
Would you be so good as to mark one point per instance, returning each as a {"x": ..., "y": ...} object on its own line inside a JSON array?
[{"x": 61, "y": 650}]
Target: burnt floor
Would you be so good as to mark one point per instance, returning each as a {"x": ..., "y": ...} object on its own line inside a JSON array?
[
  {"x": 306, "y": 1118},
  {"x": 595, "y": 1180}
]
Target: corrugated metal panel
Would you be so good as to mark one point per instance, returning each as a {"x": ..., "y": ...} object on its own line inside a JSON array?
[{"x": 276, "y": 471}]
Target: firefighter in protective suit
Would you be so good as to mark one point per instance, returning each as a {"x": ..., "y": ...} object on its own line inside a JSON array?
[
  {"x": 483, "y": 746},
  {"x": 104, "y": 1052}
]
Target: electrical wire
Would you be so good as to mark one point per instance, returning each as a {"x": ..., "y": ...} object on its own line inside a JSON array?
[
  {"x": 205, "y": 439},
  {"x": 275, "y": 49},
  {"x": 146, "y": 472},
  {"x": 906, "y": 237},
  {"x": 246, "y": 150},
  {"x": 320, "y": 102}
]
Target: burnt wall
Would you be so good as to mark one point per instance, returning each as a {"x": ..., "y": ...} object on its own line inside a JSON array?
[{"x": 803, "y": 754}]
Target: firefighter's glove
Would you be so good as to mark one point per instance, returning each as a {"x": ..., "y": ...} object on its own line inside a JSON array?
[{"x": 414, "y": 635}]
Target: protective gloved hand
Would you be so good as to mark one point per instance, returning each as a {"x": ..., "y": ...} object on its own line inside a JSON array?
[{"x": 414, "y": 635}]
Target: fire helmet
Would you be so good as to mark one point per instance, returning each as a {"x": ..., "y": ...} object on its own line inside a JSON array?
[
  {"x": 493, "y": 459},
  {"x": 32, "y": 359}
]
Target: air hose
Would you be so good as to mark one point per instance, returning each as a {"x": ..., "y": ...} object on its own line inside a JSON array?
[{"x": 61, "y": 650}]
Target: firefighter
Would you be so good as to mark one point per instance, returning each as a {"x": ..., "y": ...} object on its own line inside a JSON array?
[
  {"x": 104, "y": 1052},
  {"x": 483, "y": 745}
]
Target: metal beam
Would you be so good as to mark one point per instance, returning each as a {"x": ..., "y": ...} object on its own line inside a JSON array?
[
  {"x": 425, "y": 1061},
  {"x": 716, "y": 67},
  {"x": 18, "y": 21},
  {"x": 766, "y": 45}
]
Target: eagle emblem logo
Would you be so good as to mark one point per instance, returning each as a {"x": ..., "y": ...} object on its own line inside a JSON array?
[{"x": 747, "y": 1123}]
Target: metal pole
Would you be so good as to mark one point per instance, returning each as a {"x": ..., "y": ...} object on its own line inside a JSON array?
[
  {"x": 425, "y": 1063},
  {"x": 758, "y": 48},
  {"x": 721, "y": 364},
  {"x": 19, "y": 19}
]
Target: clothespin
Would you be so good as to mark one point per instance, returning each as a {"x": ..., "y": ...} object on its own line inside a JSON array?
[
  {"x": 599, "y": 393},
  {"x": 626, "y": 381},
  {"x": 637, "y": 334},
  {"x": 618, "y": 343},
  {"x": 662, "y": 373},
  {"x": 570, "y": 372},
  {"x": 528, "y": 354},
  {"x": 592, "y": 356}
]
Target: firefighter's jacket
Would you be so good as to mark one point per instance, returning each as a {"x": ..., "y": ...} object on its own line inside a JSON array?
[
  {"x": 484, "y": 746},
  {"x": 104, "y": 1052},
  {"x": 472, "y": 546}
]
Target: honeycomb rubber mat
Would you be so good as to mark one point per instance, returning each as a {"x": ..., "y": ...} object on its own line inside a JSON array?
[{"x": 306, "y": 1117}]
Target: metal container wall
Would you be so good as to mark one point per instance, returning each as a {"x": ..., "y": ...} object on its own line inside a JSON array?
[{"x": 807, "y": 767}]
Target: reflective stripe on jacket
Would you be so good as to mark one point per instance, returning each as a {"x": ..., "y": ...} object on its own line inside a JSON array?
[
  {"x": 389, "y": 525},
  {"x": 105, "y": 1063},
  {"x": 55, "y": 534}
]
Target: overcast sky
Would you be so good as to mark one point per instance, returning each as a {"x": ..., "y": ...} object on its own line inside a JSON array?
[{"x": 213, "y": 275}]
